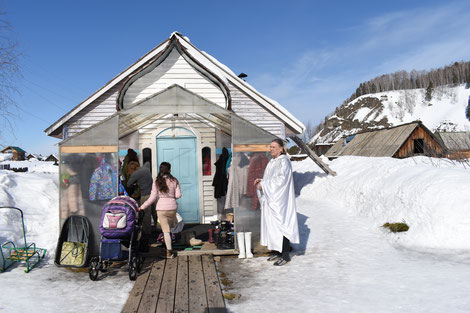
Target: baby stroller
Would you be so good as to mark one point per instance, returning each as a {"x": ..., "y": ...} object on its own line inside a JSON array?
[{"x": 120, "y": 230}]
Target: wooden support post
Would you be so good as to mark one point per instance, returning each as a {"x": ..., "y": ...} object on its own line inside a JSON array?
[{"x": 312, "y": 155}]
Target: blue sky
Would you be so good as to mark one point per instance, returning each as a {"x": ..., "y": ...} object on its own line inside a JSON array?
[{"x": 308, "y": 55}]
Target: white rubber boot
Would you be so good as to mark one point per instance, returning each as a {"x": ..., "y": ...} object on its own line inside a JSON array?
[
  {"x": 249, "y": 255},
  {"x": 241, "y": 245}
]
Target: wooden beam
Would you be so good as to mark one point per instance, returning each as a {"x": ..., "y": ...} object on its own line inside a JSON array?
[
  {"x": 251, "y": 148},
  {"x": 197, "y": 290},
  {"x": 88, "y": 149},
  {"x": 312, "y": 155},
  {"x": 149, "y": 300},
  {"x": 166, "y": 299},
  {"x": 182, "y": 293},
  {"x": 215, "y": 299},
  {"x": 135, "y": 296}
]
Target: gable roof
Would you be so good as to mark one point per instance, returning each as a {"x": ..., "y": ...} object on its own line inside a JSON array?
[
  {"x": 376, "y": 143},
  {"x": 14, "y": 148},
  {"x": 223, "y": 74},
  {"x": 455, "y": 141}
]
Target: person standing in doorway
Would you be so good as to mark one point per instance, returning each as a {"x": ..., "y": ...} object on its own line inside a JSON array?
[
  {"x": 167, "y": 189},
  {"x": 279, "y": 226}
]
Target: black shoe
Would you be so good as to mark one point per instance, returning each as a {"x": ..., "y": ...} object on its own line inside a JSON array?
[
  {"x": 273, "y": 256},
  {"x": 280, "y": 262}
]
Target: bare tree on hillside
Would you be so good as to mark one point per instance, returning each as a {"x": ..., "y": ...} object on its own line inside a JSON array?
[
  {"x": 9, "y": 73},
  {"x": 308, "y": 132}
]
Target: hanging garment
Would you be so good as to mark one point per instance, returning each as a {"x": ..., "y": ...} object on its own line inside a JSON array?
[
  {"x": 238, "y": 175},
  {"x": 278, "y": 208},
  {"x": 103, "y": 182},
  {"x": 257, "y": 165},
  {"x": 220, "y": 181}
]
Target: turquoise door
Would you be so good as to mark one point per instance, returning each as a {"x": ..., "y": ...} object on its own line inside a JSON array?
[{"x": 181, "y": 153}]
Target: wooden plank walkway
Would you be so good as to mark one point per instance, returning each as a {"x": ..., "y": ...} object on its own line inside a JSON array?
[{"x": 183, "y": 284}]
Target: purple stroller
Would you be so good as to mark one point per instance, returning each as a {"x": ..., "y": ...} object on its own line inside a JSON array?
[{"x": 120, "y": 230}]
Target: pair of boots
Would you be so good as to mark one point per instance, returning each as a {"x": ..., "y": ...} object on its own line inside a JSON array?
[{"x": 244, "y": 245}]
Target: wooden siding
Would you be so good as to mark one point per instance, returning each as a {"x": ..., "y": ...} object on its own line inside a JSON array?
[
  {"x": 460, "y": 155},
  {"x": 392, "y": 142},
  {"x": 174, "y": 70},
  {"x": 207, "y": 140},
  {"x": 431, "y": 146},
  {"x": 252, "y": 111},
  {"x": 97, "y": 111}
]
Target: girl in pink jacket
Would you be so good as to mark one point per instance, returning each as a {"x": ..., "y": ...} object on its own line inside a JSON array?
[{"x": 167, "y": 189}]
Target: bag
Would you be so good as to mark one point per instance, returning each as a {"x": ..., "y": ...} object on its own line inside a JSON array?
[
  {"x": 111, "y": 249},
  {"x": 178, "y": 224},
  {"x": 114, "y": 220},
  {"x": 72, "y": 253}
]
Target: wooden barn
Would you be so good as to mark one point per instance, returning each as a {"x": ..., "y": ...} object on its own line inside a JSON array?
[
  {"x": 180, "y": 105},
  {"x": 457, "y": 144},
  {"x": 400, "y": 141},
  {"x": 17, "y": 153},
  {"x": 322, "y": 148}
]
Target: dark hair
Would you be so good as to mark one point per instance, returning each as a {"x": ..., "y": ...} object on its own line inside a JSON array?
[
  {"x": 132, "y": 155},
  {"x": 163, "y": 174},
  {"x": 281, "y": 144}
]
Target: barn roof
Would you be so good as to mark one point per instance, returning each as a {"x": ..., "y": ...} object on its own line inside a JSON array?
[
  {"x": 14, "y": 148},
  {"x": 376, "y": 143},
  {"x": 217, "y": 69},
  {"x": 455, "y": 141}
]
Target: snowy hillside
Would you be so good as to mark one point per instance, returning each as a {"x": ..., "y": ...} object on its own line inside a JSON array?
[{"x": 446, "y": 109}]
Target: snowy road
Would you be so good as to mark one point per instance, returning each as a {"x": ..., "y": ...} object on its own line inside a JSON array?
[{"x": 349, "y": 266}]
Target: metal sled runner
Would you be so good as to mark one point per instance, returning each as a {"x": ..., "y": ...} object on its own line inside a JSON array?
[{"x": 11, "y": 254}]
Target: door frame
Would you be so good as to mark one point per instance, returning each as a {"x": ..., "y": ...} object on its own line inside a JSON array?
[{"x": 197, "y": 134}]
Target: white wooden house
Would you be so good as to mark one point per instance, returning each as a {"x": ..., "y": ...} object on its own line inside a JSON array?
[{"x": 177, "y": 91}]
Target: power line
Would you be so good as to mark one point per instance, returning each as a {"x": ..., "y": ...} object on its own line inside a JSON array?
[
  {"x": 48, "y": 100},
  {"x": 33, "y": 115},
  {"x": 56, "y": 79},
  {"x": 51, "y": 91}
]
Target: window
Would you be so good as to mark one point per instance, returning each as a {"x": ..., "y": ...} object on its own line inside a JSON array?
[
  {"x": 418, "y": 146},
  {"x": 206, "y": 161}
]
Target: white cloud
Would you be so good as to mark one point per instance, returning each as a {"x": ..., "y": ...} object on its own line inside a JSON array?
[{"x": 321, "y": 78}]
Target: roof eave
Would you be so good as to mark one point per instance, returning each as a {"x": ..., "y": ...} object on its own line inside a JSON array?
[{"x": 118, "y": 78}]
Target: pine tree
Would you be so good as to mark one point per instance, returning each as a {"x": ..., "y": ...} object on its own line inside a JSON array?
[
  {"x": 455, "y": 79},
  {"x": 467, "y": 78},
  {"x": 429, "y": 91},
  {"x": 467, "y": 110}
]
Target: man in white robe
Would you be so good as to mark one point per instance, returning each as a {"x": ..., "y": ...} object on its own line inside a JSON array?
[{"x": 276, "y": 194}]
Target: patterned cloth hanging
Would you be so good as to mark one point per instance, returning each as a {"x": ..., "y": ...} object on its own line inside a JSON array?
[{"x": 103, "y": 182}]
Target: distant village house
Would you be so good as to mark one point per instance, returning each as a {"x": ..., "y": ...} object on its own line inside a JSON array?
[{"x": 17, "y": 153}]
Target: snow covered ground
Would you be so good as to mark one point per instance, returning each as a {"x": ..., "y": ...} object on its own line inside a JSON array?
[{"x": 345, "y": 262}]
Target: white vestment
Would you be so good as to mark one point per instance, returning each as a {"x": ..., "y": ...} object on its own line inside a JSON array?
[{"x": 277, "y": 200}]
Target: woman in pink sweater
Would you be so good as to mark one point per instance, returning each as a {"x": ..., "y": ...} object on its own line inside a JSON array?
[{"x": 167, "y": 189}]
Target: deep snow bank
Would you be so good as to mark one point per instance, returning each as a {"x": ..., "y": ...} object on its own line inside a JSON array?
[
  {"x": 431, "y": 195},
  {"x": 36, "y": 194}
]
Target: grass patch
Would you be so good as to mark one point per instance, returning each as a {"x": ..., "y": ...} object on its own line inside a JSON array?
[
  {"x": 396, "y": 227},
  {"x": 232, "y": 296},
  {"x": 226, "y": 282}
]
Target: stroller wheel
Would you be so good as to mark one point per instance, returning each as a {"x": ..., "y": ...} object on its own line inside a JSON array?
[
  {"x": 94, "y": 269},
  {"x": 140, "y": 263},
  {"x": 133, "y": 268},
  {"x": 104, "y": 267}
]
